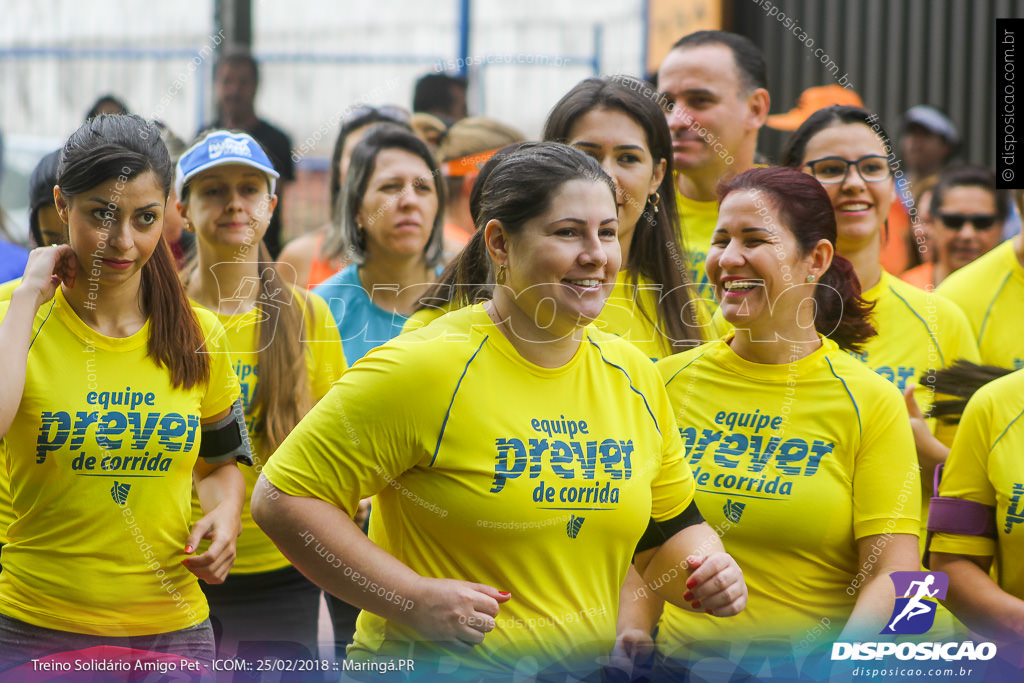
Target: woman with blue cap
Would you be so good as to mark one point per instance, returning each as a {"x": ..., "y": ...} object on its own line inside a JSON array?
[{"x": 285, "y": 349}]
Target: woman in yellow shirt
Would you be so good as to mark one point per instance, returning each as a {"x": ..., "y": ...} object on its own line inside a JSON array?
[
  {"x": 653, "y": 304},
  {"x": 286, "y": 351},
  {"x": 116, "y": 395},
  {"x": 521, "y": 459},
  {"x": 804, "y": 458},
  {"x": 847, "y": 151},
  {"x": 983, "y": 488}
]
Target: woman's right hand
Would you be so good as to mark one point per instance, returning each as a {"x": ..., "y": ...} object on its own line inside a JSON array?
[
  {"x": 455, "y": 611},
  {"x": 47, "y": 268}
]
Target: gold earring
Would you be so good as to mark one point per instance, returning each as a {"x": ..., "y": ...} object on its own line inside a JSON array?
[
  {"x": 655, "y": 200},
  {"x": 499, "y": 278}
]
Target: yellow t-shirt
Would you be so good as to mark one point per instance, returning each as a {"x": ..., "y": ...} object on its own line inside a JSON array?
[
  {"x": 490, "y": 469},
  {"x": 991, "y": 292},
  {"x": 6, "y": 511},
  {"x": 325, "y": 361},
  {"x": 100, "y": 459},
  {"x": 793, "y": 463},
  {"x": 985, "y": 466},
  {"x": 917, "y": 331},
  {"x": 698, "y": 221},
  {"x": 622, "y": 315},
  {"x": 424, "y": 317},
  {"x": 7, "y": 289}
]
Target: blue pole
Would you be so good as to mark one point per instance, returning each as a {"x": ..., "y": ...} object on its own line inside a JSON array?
[
  {"x": 598, "y": 48},
  {"x": 464, "y": 18}
]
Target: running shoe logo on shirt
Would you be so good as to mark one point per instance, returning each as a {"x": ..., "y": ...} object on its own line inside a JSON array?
[
  {"x": 119, "y": 492},
  {"x": 1014, "y": 509},
  {"x": 733, "y": 511},
  {"x": 572, "y": 529}
]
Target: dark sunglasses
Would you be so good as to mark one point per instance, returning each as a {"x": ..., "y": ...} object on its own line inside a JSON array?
[{"x": 956, "y": 221}]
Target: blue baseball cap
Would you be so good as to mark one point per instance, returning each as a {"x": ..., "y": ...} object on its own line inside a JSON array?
[{"x": 223, "y": 147}]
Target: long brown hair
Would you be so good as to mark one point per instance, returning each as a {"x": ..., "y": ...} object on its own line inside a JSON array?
[
  {"x": 125, "y": 147},
  {"x": 657, "y": 239},
  {"x": 283, "y": 392}
]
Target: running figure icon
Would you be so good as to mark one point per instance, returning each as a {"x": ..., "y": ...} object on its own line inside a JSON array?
[{"x": 915, "y": 606}]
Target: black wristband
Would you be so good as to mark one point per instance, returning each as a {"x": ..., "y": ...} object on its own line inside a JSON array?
[{"x": 226, "y": 439}]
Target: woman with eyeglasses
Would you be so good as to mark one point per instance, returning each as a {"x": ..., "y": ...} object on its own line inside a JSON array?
[
  {"x": 313, "y": 258},
  {"x": 990, "y": 290},
  {"x": 847, "y": 150}
]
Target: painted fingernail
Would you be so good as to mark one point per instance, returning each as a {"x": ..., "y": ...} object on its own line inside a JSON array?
[
  {"x": 690, "y": 583},
  {"x": 695, "y": 604},
  {"x": 504, "y": 592},
  {"x": 709, "y": 612},
  {"x": 188, "y": 550},
  {"x": 688, "y": 595}
]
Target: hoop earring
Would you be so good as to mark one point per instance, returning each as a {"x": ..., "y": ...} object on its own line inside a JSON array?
[
  {"x": 499, "y": 278},
  {"x": 655, "y": 200}
]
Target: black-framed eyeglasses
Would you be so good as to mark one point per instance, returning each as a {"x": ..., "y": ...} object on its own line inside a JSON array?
[
  {"x": 873, "y": 168},
  {"x": 956, "y": 221}
]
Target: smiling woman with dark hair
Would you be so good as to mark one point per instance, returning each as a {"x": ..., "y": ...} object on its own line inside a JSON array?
[
  {"x": 802, "y": 453},
  {"x": 846, "y": 150},
  {"x": 493, "y": 526}
]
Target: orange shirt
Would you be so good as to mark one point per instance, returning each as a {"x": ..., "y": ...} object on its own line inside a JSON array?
[
  {"x": 895, "y": 256},
  {"x": 319, "y": 268},
  {"x": 922, "y": 276}
]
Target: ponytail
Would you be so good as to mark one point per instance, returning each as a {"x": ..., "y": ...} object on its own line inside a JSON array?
[
  {"x": 466, "y": 280},
  {"x": 175, "y": 337},
  {"x": 841, "y": 312},
  {"x": 961, "y": 380}
]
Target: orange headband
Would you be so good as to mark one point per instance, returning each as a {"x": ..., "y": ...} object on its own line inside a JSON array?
[{"x": 464, "y": 166}]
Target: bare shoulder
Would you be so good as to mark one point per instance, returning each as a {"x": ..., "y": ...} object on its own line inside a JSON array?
[{"x": 297, "y": 258}]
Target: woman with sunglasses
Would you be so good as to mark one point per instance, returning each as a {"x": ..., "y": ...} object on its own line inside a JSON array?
[
  {"x": 846, "y": 149},
  {"x": 990, "y": 290},
  {"x": 313, "y": 258}
]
